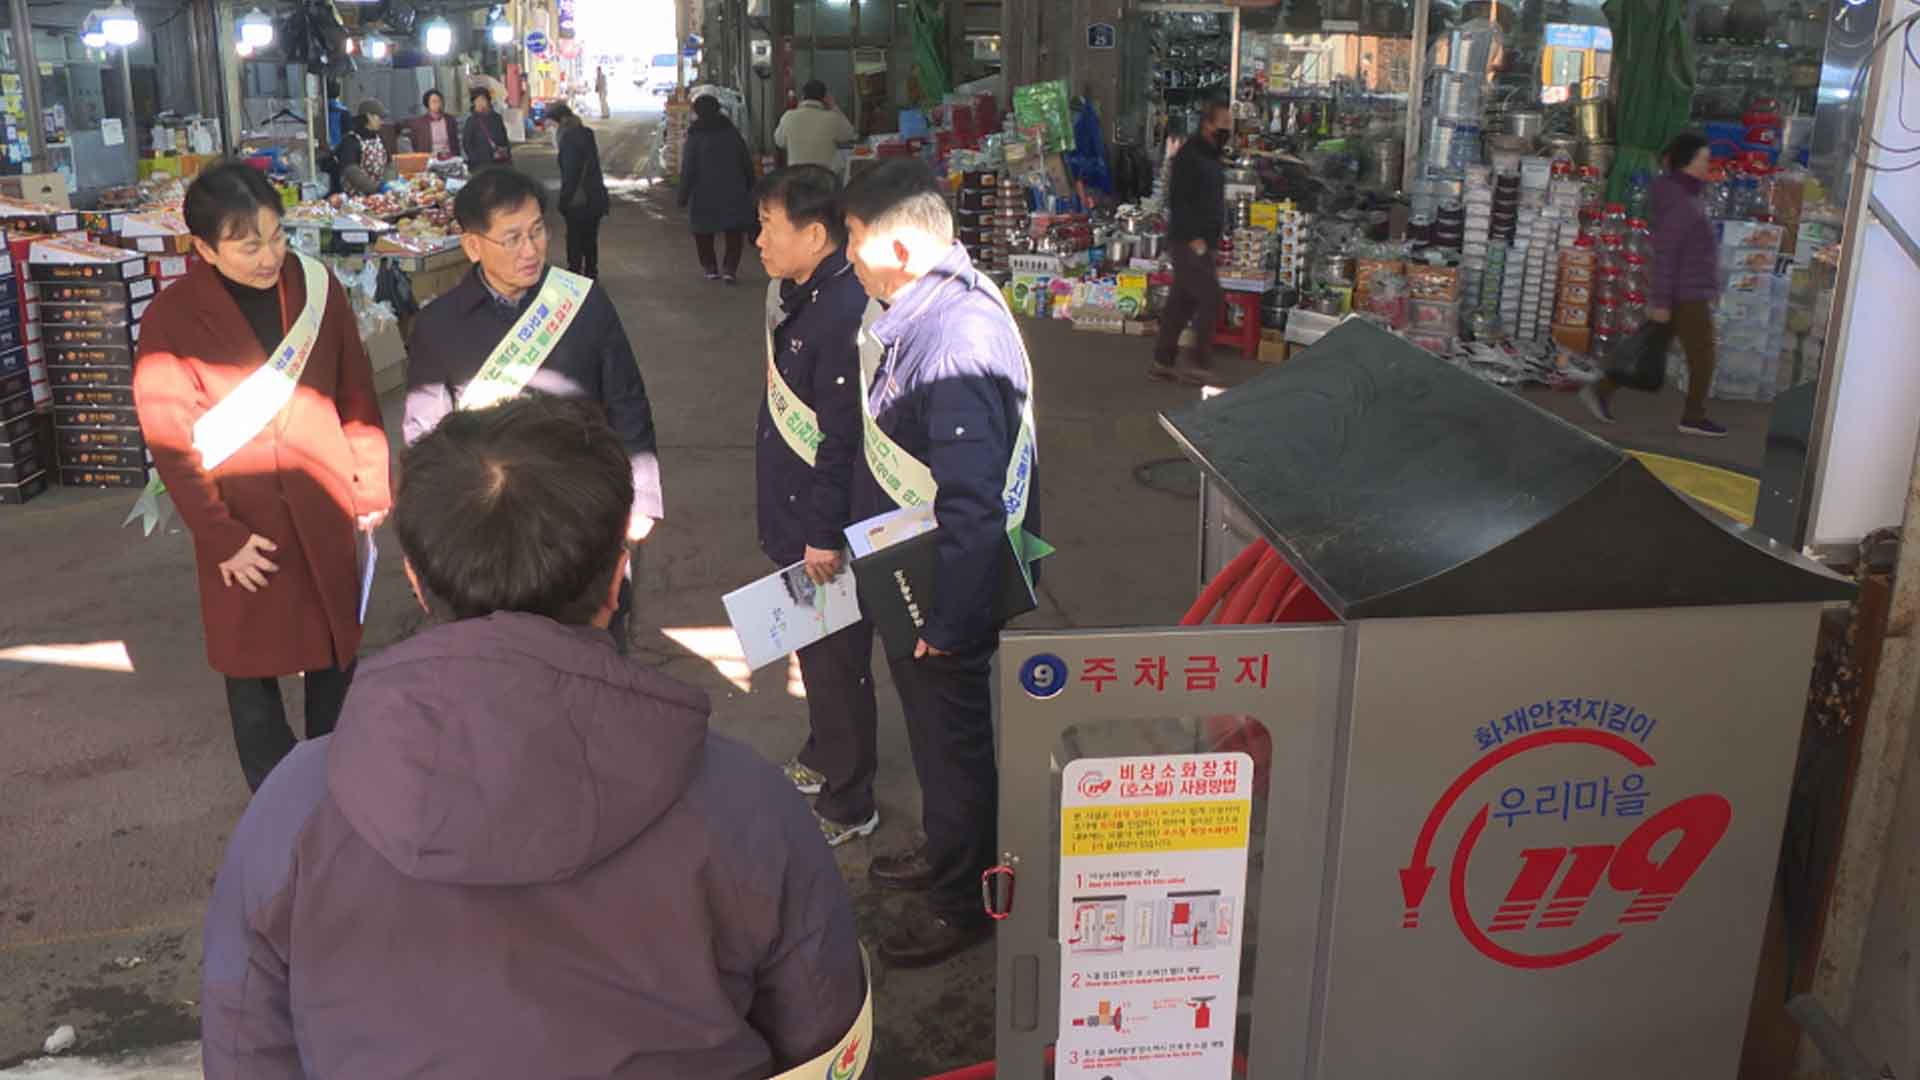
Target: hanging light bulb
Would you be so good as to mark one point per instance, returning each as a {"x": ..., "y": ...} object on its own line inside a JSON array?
[
  {"x": 242, "y": 49},
  {"x": 376, "y": 47},
  {"x": 501, "y": 31},
  {"x": 120, "y": 25},
  {"x": 256, "y": 29},
  {"x": 439, "y": 35},
  {"x": 91, "y": 34}
]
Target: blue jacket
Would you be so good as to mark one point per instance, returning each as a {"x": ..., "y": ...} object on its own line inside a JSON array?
[
  {"x": 949, "y": 390},
  {"x": 816, "y": 344}
]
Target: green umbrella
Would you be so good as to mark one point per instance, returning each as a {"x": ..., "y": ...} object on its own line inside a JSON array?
[{"x": 1654, "y": 69}]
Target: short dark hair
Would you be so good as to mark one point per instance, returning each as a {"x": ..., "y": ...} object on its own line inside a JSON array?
[
  {"x": 1682, "y": 150},
  {"x": 500, "y": 187},
  {"x": 706, "y": 105},
  {"x": 479, "y": 92},
  {"x": 224, "y": 202},
  {"x": 809, "y": 194},
  {"x": 519, "y": 507},
  {"x": 815, "y": 90},
  {"x": 426, "y": 99},
  {"x": 899, "y": 192},
  {"x": 560, "y": 112}
]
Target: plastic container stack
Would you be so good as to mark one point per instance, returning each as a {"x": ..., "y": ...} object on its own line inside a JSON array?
[{"x": 1751, "y": 318}]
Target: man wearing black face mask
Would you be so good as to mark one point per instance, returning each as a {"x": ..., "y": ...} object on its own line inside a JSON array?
[{"x": 1197, "y": 202}]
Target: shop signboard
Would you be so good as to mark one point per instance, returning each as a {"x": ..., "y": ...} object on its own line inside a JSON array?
[
  {"x": 1153, "y": 873},
  {"x": 1102, "y": 37},
  {"x": 564, "y": 14},
  {"x": 1575, "y": 36},
  {"x": 537, "y": 43}
]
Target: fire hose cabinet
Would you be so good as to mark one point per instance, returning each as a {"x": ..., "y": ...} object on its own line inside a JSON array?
[{"x": 1513, "y": 811}]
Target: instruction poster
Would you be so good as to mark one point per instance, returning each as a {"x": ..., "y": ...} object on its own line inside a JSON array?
[{"x": 1153, "y": 877}]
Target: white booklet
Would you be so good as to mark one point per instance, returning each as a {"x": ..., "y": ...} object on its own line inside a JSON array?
[
  {"x": 369, "y": 559},
  {"x": 785, "y": 611},
  {"x": 885, "y": 530}
]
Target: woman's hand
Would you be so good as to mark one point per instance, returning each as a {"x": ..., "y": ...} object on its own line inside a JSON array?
[
  {"x": 250, "y": 566},
  {"x": 1660, "y": 315},
  {"x": 370, "y": 522}
]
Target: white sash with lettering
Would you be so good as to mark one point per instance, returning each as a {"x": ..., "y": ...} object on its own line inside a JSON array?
[
  {"x": 520, "y": 354},
  {"x": 798, "y": 424},
  {"x": 848, "y": 1058},
  {"x": 246, "y": 411},
  {"x": 908, "y": 481}
]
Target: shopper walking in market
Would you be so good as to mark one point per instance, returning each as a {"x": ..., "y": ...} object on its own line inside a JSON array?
[
  {"x": 950, "y": 426},
  {"x": 523, "y": 855},
  {"x": 1197, "y": 215},
  {"x": 716, "y": 187},
  {"x": 583, "y": 190},
  {"x": 805, "y": 457},
  {"x": 274, "y": 468},
  {"x": 435, "y": 132},
  {"x": 515, "y": 324},
  {"x": 814, "y": 132},
  {"x": 484, "y": 138},
  {"x": 364, "y": 155},
  {"x": 600, "y": 90},
  {"x": 1686, "y": 283}
]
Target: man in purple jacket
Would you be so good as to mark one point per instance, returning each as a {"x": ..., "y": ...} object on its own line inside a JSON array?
[{"x": 522, "y": 854}]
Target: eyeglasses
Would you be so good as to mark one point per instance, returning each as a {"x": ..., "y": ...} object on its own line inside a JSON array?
[{"x": 534, "y": 238}]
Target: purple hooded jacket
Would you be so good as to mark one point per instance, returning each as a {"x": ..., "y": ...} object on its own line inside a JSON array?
[
  {"x": 522, "y": 854},
  {"x": 1686, "y": 252}
]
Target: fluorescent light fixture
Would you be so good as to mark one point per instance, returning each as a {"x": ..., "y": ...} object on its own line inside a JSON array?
[
  {"x": 439, "y": 36},
  {"x": 502, "y": 32},
  {"x": 376, "y": 47},
  {"x": 120, "y": 25},
  {"x": 256, "y": 29}
]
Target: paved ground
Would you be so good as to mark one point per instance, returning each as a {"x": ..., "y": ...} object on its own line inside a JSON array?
[{"x": 117, "y": 790}]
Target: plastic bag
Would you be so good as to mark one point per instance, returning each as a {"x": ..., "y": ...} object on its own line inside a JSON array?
[
  {"x": 395, "y": 289},
  {"x": 1088, "y": 158},
  {"x": 1639, "y": 361}
]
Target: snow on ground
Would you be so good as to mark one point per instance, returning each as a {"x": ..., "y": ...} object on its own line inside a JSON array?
[{"x": 172, "y": 1063}]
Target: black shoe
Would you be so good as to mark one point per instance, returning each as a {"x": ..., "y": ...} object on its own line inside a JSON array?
[
  {"x": 909, "y": 871},
  {"x": 927, "y": 939}
]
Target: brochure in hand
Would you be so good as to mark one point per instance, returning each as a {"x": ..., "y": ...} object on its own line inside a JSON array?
[{"x": 785, "y": 611}]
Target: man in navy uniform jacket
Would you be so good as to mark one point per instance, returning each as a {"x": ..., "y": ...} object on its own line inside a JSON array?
[
  {"x": 950, "y": 392},
  {"x": 814, "y": 307}
]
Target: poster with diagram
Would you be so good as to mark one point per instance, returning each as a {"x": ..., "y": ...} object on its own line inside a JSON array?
[{"x": 1153, "y": 872}]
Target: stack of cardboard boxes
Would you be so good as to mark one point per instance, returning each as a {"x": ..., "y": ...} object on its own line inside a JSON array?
[
  {"x": 23, "y": 460},
  {"x": 90, "y": 299}
]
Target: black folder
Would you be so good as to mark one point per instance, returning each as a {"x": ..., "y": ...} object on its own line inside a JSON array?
[{"x": 898, "y": 589}]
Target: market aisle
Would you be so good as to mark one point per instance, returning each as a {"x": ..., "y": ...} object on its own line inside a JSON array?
[{"x": 119, "y": 787}]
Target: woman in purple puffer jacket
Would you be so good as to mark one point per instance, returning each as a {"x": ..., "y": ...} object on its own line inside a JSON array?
[{"x": 1686, "y": 281}]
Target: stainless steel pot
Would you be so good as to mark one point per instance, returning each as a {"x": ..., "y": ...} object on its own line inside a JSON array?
[
  {"x": 1560, "y": 146},
  {"x": 1599, "y": 155},
  {"x": 1149, "y": 245},
  {"x": 1119, "y": 249},
  {"x": 1593, "y": 119},
  {"x": 1337, "y": 270},
  {"x": 1526, "y": 125}
]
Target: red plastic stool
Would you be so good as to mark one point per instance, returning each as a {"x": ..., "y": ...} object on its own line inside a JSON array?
[{"x": 1248, "y": 335}]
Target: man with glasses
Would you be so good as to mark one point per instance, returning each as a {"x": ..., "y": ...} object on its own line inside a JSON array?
[{"x": 516, "y": 324}]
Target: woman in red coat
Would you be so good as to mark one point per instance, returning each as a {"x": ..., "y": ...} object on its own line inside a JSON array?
[{"x": 273, "y": 464}]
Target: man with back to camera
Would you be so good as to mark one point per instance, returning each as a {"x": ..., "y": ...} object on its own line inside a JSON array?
[
  {"x": 516, "y": 324},
  {"x": 1197, "y": 205},
  {"x": 814, "y": 132},
  {"x": 522, "y": 854},
  {"x": 948, "y": 422},
  {"x": 805, "y": 459}
]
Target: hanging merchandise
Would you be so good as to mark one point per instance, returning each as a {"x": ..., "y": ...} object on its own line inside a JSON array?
[
  {"x": 929, "y": 49},
  {"x": 1088, "y": 158},
  {"x": 1046, "y": 105},
  {"x": 1655, "y": 74}
]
